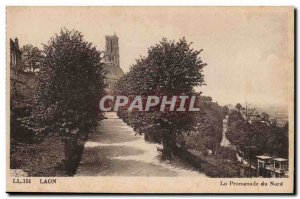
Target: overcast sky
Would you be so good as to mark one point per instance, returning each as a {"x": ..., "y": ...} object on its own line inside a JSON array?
[{"x": 248, "y": 51}]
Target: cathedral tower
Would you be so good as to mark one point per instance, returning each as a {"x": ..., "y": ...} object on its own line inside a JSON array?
[{"x": 112, "y": 50}]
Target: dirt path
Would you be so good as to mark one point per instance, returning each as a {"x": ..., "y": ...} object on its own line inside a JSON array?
[
  {"x": 115, "y": 150},
  {"x": 225, "y": 142}
]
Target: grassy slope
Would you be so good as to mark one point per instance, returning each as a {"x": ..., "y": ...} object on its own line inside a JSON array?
[{"x": 42, "y": 159}]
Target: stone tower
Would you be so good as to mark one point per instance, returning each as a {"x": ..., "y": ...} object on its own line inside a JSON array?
[
  {"x": 112, "y": 50},
  {"x": 112, "y": 61}
]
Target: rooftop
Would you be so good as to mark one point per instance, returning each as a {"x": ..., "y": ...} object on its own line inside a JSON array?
[
  {"x": 264, "y": 157},
  {"x": 280, "y": 159}
]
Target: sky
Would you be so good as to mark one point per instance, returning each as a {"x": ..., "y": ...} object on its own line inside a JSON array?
[{"x": 248, "y": 51}]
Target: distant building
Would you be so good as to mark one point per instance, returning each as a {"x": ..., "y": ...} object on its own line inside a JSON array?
[
  {"x": 15, "y": 54},
  {"x": 112, "y": 61},
  {"x": 22, "y": 84},
  {"x": 271, "y": 167}
]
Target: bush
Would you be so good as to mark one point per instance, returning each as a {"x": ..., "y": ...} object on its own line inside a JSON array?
[
  {"x": 17, "y": 131},
  {"x": 227, "y": 153}
]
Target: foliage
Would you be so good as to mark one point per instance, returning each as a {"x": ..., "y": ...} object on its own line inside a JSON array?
[
  {"x": 265, "y": 117},
  {"x": 32, "y": 58},
  {"x": 209, "y": 127},
  {"x": 260, "y": 135},
  {"x": 70, "y": 80},
  {"x": 234, "y": 116},
  {"x": 239, "y": 131},
  {"x": 170, "y": 69},
  {"x": 225, "y": 110},
  {"x": 17, "y": 131},
  {"x": 227, "y": 153},
  {"x": 217, "y": 171},
  {"x": 38, "y": 159},
  {"x": 238, "y": 106}
]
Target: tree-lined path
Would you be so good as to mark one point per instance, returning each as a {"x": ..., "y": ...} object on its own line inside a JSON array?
[{"x": 116, "y": 150}]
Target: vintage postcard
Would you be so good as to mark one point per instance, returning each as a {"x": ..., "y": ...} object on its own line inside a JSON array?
[{"x": 150, "y": 99}]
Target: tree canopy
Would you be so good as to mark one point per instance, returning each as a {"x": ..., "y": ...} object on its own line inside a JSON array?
[
  {"x": 32, "y": 58},
  {"x": 71, "y": 81},
  {"x": 259, "y": 133},
  {"x": 169, "y": 69}
]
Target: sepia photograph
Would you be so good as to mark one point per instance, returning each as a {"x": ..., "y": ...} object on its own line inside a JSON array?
[{"x": 150, "y": 99}]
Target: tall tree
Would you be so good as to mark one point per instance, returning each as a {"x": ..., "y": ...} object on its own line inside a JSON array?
[
  {"x": 209, "y": 127},
  {"x": 31, "y": 58},
  {"x": 71, "y": 83},
  {"x": 169, "y": 69}
]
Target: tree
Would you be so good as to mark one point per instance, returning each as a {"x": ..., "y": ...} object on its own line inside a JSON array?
[
  {"x": 278, "y": 141},
  {"x": 225, "y": 110},
  {"x": 71, "y": 83},
  {"x": 209, "y": 127},
  {"x": 238, "y": 106},
  {"x": 258, "y": 137},
  {"x": 265, "y": 116},
  {"x": 31, "y": 58},
  {"x": 169, "y": 69},
  {"x": 234, "y": 116}
]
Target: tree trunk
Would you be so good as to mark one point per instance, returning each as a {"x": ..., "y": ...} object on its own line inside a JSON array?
[
  {"x": 167, "y": 152},
  {"x": 147, "y": 136},
  {"x": 70, "y": 151},
  {"x": 167, "y": 147}
]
